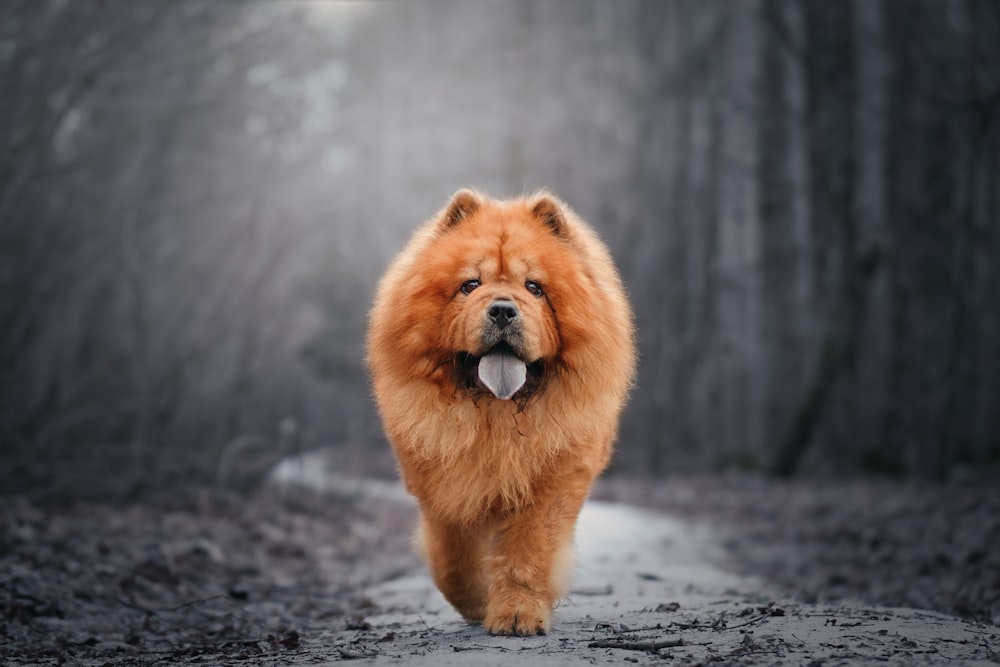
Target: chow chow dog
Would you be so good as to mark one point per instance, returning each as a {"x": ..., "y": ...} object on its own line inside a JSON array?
[{"x": 501, "y": 351}]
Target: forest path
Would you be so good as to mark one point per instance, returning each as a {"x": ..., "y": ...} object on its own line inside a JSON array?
[{"x": 647, "y": 586}]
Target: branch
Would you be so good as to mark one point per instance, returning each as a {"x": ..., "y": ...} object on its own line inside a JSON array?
[{"x": 649, "y": 647}]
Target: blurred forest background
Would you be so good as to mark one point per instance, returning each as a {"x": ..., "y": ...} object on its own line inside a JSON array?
[{"x": 197, "y": 198}]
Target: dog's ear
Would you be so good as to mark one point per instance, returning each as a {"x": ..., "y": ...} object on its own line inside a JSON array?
[
  {"x": 549, "y": 211},
  {"x": 463, "y": 204}
]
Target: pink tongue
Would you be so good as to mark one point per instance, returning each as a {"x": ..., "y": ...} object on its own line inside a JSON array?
[{"x": 502, "y": 373}]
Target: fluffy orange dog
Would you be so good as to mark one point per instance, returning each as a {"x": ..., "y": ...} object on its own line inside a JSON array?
[{"x": 501, "y": 351}]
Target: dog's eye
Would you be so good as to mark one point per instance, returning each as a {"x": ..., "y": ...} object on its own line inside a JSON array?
[
  {"x": 533, "y": 287},
  {"x": 469, "y": 285}
]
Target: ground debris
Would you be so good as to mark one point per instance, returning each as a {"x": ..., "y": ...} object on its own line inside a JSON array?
[
  {"x": 357, "y": 622},
  {"x": 202, "y": 580},
  {"x": 652, "y": 647},
  {"x": 360, "y": 652}
]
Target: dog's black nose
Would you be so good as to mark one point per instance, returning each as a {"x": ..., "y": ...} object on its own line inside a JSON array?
[{"x": 502, "y": 312}]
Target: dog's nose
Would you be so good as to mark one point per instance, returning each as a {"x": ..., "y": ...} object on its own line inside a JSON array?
[{"x": 502, "y": 312}]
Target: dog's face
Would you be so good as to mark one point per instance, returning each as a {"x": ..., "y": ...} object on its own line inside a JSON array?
[
  {"x": 500, "y": 326},
  {"x": 497, "y": 273},
  {"x": 497, "y": 299}
]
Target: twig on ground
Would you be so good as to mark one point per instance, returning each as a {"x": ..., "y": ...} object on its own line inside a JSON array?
[
  {"x": 651, "y": 647},
  {"x": 770, "y": 651},
  {"x": 750, "y": 622}
]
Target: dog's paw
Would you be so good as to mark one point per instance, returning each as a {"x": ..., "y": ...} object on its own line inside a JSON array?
[{"x": 523, "y": 617}]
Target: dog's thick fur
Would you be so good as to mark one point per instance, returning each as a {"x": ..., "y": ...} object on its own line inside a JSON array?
[{"x": 500, "y": 482}]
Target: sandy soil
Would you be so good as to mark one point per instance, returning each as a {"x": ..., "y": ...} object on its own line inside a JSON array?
[{"x": 317, "y": 569}]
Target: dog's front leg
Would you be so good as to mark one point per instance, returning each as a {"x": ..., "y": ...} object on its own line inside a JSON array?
[{"x": 530, "y": 561}]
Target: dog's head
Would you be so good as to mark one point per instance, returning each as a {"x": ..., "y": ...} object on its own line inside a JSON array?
[
  {"x": 499, "y": 324},
  {"x": 493, "y": 298}
]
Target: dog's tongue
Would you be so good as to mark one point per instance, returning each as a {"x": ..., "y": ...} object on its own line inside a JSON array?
[{"x": 503, "y": 373}]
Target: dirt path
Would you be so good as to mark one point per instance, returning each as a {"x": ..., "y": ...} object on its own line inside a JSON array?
[
  {"x": 648, "y": 588},
  {"x": 317, "y": 568}
]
